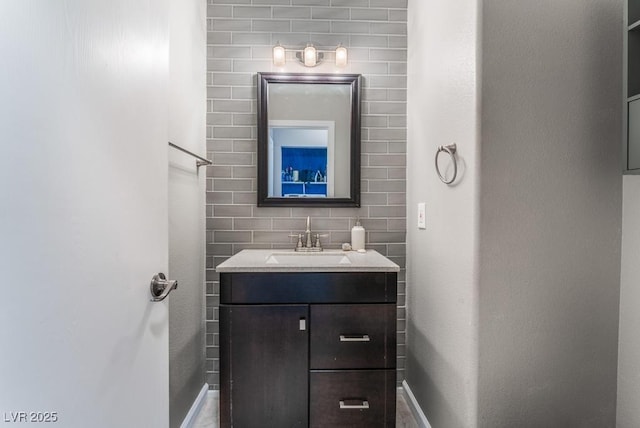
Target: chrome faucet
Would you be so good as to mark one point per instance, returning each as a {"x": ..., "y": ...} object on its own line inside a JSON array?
[
  {"x": 309, "y": 246},
  {"x": 308, "y": 232}
]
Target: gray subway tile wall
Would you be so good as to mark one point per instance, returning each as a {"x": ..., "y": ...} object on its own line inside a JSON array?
[{"x": 241, "y": 34}]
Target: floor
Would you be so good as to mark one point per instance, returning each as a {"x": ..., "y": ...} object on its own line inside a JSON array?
[{"x": 208, "y": 416}]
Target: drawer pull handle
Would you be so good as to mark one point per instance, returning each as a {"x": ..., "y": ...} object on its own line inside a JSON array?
[
  {"x": 361, "y": 338},
  {"x": 364, "y": 405}
]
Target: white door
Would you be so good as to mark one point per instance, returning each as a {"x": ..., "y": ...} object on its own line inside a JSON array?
[{"x": 83, "y": 212}]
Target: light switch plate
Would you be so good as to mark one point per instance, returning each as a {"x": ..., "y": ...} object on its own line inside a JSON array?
[{"x": 422, "y": 221}]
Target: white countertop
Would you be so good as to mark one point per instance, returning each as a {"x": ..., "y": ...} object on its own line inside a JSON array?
[{"x": 290, "y": 261}]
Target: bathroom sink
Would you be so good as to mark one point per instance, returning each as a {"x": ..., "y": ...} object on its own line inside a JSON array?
[
  {"x": 329, "y": 260},
  {"x": 308, "y": 259}
]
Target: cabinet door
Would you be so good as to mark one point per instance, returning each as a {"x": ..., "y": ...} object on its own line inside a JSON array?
[{"x": 264, "y": 355}]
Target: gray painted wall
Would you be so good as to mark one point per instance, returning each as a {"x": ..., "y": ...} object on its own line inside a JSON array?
[
  {"x": 187, "y": 63},
  {"x": 186, "y": 303},
  {"x": 550, "y": 213},
  {"x": 542, "y": 350},
  {"x": 628, "y": 409},
  {"x": 241, "y": 34},
  {"x": 441, "y": 260}
]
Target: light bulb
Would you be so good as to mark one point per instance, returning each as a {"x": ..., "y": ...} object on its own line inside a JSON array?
[
  {"x": 310, "y": 56},
  {"x": 341, "y": 56},
  {"x": 278, "y": 56}
]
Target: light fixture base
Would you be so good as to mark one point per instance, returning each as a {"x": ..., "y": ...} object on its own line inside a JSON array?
[{"x": 300, "y": 57}]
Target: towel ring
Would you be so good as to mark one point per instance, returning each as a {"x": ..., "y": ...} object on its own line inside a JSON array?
[{"x": 451, "y": 150}]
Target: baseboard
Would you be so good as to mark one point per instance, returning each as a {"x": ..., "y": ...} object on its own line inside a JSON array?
[
  {"x": 195, "y": 407},
  {"x": 417, "y": 412}
]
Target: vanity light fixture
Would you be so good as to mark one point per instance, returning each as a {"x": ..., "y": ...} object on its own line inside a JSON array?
[
  {"x": 278, "y": 55},
  {"x": 341, "y": 56},
  {"x": 310, "y": 56}
]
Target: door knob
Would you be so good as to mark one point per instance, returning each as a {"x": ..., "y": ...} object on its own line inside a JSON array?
[{"x": 161, "y": 287}]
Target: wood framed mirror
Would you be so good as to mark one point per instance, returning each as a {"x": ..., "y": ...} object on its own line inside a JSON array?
[{"x": 309, "y": 140}]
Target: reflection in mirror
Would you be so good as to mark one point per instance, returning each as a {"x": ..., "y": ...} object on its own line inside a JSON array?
[
  {"x": 308, "y": 140},
  {"x": 301, "y": 158}
]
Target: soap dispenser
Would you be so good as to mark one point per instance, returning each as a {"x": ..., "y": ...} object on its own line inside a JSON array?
[{"x": 357, "y": 237}]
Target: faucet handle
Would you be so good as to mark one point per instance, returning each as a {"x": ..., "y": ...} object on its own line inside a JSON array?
[
  {"x": 299, "y": 236},
  {"x": 318, "y": 236}
]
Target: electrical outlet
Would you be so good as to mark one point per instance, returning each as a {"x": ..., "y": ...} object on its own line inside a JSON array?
[{"x": 422, "y": 221}]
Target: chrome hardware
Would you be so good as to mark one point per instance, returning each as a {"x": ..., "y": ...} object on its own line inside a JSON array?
[
  {"x": 303, "y": 324},
  {"x": 200, "y": 161},
  {"x": 308, "y": 232},
  {"x": 364, "y": 405},
  {"x": 309, "y": 249},
  {"x": 309, "y": 246},
  {"x": 299, "y": 236},
  {"x": 318, "y": 236},
  {"x": 161, "y": 287},
  {"x": 350, "y": 338},
  {"x": 451, "y": 151}
]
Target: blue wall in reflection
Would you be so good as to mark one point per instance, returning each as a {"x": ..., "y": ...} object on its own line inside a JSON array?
[
  {"x": 311, "y": 166},
  {"x": 306, "y": 160}
]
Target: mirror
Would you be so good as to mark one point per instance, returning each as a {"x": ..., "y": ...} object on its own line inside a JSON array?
[{"x": 308, "y": 139}]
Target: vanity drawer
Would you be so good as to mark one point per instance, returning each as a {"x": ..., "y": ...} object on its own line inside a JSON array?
[
  {"x": 359, "y": 336},
  {"x": 308, "y": 287},
  {"x": 363, "y": 398}
]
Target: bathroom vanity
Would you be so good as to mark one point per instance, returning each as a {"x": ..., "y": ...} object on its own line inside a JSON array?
[{"x": 307, "y": 339}]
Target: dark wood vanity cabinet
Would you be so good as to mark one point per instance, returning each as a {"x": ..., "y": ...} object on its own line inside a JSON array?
[{"x": 308, "y": 349}]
